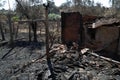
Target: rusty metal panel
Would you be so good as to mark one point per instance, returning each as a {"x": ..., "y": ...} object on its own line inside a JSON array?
[{"x": 71, "y": 27}]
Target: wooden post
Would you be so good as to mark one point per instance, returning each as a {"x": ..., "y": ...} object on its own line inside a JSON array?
[
  {"x": 47, "y": 41},
  {"x": 47, "y": 31}
]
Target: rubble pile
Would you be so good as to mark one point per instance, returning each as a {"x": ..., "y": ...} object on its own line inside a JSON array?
[
  {"x": 24, "y": 63},
  {"x": 73, "y": 65}
]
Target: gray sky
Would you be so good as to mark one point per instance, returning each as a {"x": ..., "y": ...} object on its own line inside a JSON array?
[
  {"x": 103, "y": 2},
  {"x": 57, "y": 2}
]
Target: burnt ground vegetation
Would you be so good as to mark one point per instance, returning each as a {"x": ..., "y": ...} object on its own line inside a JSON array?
[
  {"x": 27, "y": 61},
  {"x": 24, "y": 60}
]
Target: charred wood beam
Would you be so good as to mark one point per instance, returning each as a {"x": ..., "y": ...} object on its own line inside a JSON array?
[
  {"x": 102, "y": 57},
  {"x": 37, "y": 20}
]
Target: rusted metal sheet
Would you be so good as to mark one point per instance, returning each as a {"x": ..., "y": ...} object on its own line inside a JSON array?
[{"x": 72, "y": 30}]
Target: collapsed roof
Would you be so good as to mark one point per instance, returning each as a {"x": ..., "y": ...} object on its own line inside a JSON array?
[{"x": 106, "y": 22}]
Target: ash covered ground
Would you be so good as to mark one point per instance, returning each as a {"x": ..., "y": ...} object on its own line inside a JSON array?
[{"x": 27, "y": 61}]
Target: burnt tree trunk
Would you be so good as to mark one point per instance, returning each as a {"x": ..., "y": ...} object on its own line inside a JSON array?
[
  {"x": 1, "y": 30},
  {"x": 32, "y": 24},
  {"x": 16, "y": 32},
  {"x": 34, "y": 28},
  {"x": 118, "y": 43},
  {"x": 30, "y": 33},
  {"x": 47, "y": 42},
  {"x": 11, "y": 32}
]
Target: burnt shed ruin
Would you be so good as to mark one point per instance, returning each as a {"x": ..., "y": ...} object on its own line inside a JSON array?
[
  {"x": 91, "y": 32},
  {"x": 106, "y": 34},
  {"x": 72, "y": 28}
]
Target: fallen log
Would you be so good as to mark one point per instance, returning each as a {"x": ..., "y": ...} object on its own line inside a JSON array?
[
  {"x": 87, "y": 51},
  {"x": 12, "y": 47},
  {"x": 7, "y": 53},
  {"x": 3, "y": 43},
  {"x": 105, "y": 58}
]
